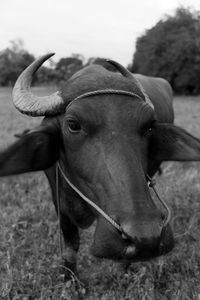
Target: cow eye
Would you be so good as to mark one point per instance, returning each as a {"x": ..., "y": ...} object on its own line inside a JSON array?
[{"x": 74, "y": 126}]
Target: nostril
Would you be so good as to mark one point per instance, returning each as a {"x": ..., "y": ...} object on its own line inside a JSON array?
[{"x": 163, "y": 216}]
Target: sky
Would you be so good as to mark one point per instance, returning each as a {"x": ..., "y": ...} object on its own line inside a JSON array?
[{"x": 93, "y": 28}]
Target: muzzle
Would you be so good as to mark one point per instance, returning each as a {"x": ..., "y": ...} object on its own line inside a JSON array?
[{"x": 119, "y": 235}]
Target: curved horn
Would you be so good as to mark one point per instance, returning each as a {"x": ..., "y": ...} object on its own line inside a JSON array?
[
  {"x": 32, "y": 105},
  {"x": 126, "y": 73}
]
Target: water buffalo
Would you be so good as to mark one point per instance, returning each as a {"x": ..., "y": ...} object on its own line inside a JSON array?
[{"x": 109, "y": 131}]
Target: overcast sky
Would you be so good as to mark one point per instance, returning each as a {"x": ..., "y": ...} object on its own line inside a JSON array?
[{"x": 104, "y": 28}]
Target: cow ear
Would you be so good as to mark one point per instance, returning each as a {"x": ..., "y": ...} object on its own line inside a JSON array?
[
  {"x": 170, "y": 142},
  {"x": 33, "y": 151}
]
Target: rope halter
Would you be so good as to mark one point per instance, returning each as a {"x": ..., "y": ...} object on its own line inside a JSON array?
[{"x": 151, "y": 183}]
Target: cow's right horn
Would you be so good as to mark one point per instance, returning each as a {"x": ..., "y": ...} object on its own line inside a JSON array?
[{"x": 30, "y": 104}]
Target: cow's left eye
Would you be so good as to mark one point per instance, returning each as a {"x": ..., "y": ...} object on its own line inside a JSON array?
[{"x": 74, "y": 126}]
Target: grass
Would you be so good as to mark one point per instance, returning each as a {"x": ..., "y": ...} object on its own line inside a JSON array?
[{"x": 29, "y": 235}]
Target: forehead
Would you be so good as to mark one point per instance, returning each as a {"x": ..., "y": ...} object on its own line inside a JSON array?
[
  {"x": 109, "y": 107},
  {"x": 93, "y": 78}
]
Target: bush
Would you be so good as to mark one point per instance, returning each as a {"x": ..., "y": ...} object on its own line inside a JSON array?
[
  {"x": 171, "y": 49},
  {"x": 12, "y": 64}
]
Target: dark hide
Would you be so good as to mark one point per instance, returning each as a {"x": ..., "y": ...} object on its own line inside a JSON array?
[{"x": 121, "y": 139}]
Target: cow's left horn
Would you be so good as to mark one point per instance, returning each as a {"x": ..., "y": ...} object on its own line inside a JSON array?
[
  {"x": 30, "y": 104},
  {"x": 126, "y": 73}
]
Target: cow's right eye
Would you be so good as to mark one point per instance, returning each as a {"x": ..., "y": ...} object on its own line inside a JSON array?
[{"x": 74, "y": 126}]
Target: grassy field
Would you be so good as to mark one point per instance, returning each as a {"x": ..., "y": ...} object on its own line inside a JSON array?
[{"x": 29, "y": 235}]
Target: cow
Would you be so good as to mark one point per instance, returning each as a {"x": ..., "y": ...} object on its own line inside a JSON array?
[{"x": 103, "y": 137}]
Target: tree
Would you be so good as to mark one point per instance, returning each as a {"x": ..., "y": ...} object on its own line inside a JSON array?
[
  {"x": 45, "y": 76},
  {"x": 67, "y": 66},
  {"x": 13, "y": 60},
  {"x": 171, "y": 49}
]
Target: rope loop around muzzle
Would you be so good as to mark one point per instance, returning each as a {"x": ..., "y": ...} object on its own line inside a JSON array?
[{"x": 100, "y": 211}]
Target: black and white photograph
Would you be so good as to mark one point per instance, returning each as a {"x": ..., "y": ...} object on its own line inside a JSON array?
[{"x": 99, "y": 150}]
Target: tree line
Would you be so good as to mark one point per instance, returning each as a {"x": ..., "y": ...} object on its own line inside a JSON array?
[
  {"x": 15, "y": 58},
  {"x": 170, "y": 49}
]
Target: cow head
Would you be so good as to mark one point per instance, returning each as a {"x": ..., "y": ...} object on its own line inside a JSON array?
[{"x": 106, "y": 143}]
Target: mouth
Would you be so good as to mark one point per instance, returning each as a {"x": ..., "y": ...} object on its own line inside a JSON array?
[
  {"x": 164, "y": 246},
  {"x": 109, "y": 244},
  {"x": 118, "y": 250},
  {"x": 131, "y": 253}
]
